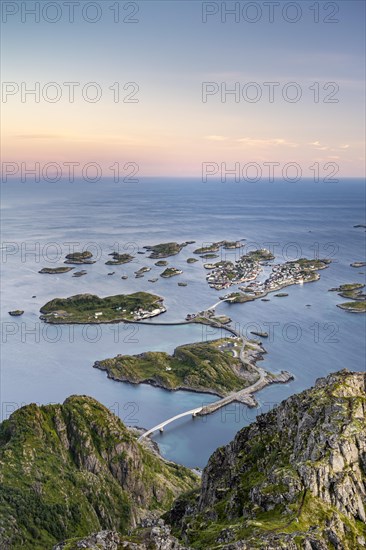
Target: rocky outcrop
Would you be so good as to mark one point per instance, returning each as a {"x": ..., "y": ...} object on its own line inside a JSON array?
[
  {"x": 73, "y": 469},
  {"x": 295, "y": 478},
  {"x": 156, "y": 537}
]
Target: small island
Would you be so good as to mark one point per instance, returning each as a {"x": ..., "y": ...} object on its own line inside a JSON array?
[
  {"x": 259, "y": 333},
  {"x": 119, "y": 259},
  {"x": 358, "y": 264},
  {"x": 354, "y": 292},
  {"x": 209, "y": 367},
  {"x": 238, "y": 298},
  {"x": 16, "y": 312},
  {"x": 353, "y": 307},
  {"x": 171, "y": 272},
  {"x": 190, "y": 261},
  {"x": 350, "y": 290},
  {"x": 225, "y": 367},
  {"x": 79, "y": 273},
  {"x": 215, "y": 247},
  {"x": 142, "y": 270},
  {"x": 161, "y": 263},
  {"x": 80, "y": 258},
  {"x": 210, "y": 248},
  {"x": 164, "y": 250},
  {"x": 55, "y": 270},
  {"x": 91, "y": 309}
]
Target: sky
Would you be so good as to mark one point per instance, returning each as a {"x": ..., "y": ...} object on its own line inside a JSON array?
[{"x": 162, "y": 77}]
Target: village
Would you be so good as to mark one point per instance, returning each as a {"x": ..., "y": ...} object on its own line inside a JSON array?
[{"x": 247, "y": 268}]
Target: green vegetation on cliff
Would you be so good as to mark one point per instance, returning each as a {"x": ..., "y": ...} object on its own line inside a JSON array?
[
  {"x": 294, "y": 479},
  {"x": 73, "y": 469},
  {"x": 207, "y": 367},
  {"x": 88, "y": 308}
]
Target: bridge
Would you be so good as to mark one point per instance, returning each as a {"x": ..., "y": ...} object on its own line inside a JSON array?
[
  {"x": 242, "y": 396},
  {"x": 161, "y": 426}
]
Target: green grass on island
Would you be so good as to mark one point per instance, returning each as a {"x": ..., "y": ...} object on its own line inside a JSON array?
[
  {"x": 171, "y": 272},
  {"x": 311, "y": 265},
  {"x": 355, "y": 307},
  {"x": 55, "y": 270},
  {"x": 260, "y": 255},
  {"x": 206, "y": 367},
  {"x": 88, "y": 308},
  {"x": 214, "y": 247},
  {"x": 352, "y": 291},
  {"x": 80, "y": 258},
  {"x": 164, "y": 250},
  {"x": 119, "y": 259}
]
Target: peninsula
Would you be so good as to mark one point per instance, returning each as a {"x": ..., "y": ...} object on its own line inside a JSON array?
[{"x": 90, "y": 309}]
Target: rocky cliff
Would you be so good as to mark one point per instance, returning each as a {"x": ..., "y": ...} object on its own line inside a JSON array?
[
  {"x": 73, "y": 469},
  {"x": 295, "y": 478}
]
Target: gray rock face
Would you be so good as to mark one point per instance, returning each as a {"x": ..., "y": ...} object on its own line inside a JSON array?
[
  {"x": 104, "y": 540},
  {"x": 304, "y": 463},
  {"x": 158, "y": 537}
]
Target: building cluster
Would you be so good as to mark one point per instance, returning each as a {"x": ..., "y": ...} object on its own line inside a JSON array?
[
  {"x": 226, "y": 274},
  {"x": 282, "y": 275}
]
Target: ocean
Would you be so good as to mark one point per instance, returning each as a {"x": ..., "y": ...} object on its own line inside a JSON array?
[{"x": 308, "y": 335}]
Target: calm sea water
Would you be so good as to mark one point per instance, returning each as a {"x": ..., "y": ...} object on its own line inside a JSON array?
[{"x": 46, "y": 364}]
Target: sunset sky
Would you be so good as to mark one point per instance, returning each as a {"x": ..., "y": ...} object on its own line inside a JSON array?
[{"x": 169, "y": 53}]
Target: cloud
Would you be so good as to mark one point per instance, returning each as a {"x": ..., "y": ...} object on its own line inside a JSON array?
[
  {"x": 344, "y": 146},
  {"x": 275, "y": 142}
]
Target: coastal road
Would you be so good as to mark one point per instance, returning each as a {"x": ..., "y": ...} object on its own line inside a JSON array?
[
  {"x": 238, "y": 396},
  {"x": 244, "y": 395}
]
